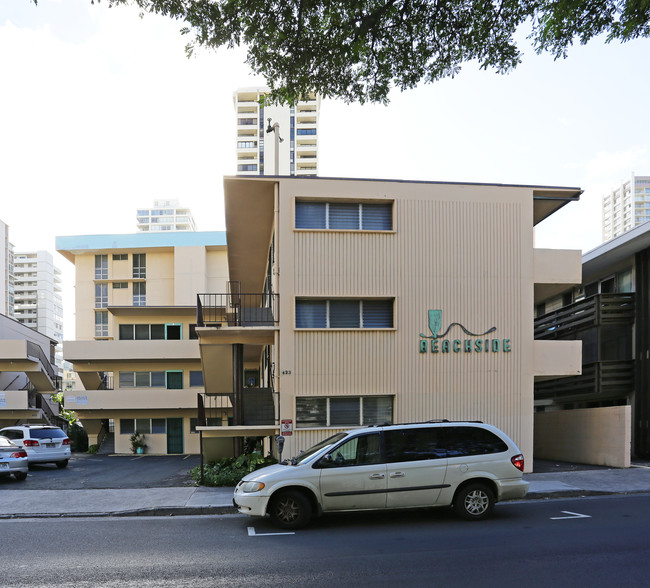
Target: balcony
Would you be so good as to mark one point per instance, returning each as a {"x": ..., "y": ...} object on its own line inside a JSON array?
[
  {"x": 130, "y": 399},
  {"x": 600, "y": 381},
  {"x": 595, "y": 311},
  {"x": 107, "y": 352},
  {"x": 237, "y": 310}
]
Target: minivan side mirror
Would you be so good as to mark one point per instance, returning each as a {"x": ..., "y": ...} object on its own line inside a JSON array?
[{"x": 324, "y": 462}]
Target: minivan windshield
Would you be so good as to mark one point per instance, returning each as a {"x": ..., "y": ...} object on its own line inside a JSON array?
[{"x": 316, "y": 448}]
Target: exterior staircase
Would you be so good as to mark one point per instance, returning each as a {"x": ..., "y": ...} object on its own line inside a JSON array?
[{"x": 107, "y": 445}]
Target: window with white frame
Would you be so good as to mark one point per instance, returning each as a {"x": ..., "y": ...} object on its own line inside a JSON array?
[
  {"x": 101, "y": 295},
  {"x": 101, "y": 323},
  {"x": 144, "y": 426},
  {"x": 139, "y": 265},
  {"x": 344, "y": 313},
  {"x": 101, "y": 267},
  {"x": 130, "y": 379},
  {"x": 139, "y": 294},
  {"x": 350, "y": 216},
  {"x": 343, "y": 411}
]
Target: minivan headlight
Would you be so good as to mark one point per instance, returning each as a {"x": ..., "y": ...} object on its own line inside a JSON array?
[{"x": 251, "y": 486}]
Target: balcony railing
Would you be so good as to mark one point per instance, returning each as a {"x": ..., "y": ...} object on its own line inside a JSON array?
[
  {"x": 604, "y": 380},
  {"x": 237, "y": 310},
  {"x": 597, "y": 310},
  {"x": 258, "y": 408}
]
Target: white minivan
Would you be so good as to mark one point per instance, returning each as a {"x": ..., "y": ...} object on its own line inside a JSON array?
[{"x": 469, "y": 465}]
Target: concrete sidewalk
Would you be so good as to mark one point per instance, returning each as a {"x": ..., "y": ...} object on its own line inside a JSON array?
[{"x": 25, "y": 503}]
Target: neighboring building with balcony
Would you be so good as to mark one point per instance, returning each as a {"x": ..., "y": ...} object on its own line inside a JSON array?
[
  {"x": 27, "y": 375},
  {"x": 37, "y": 297},
  {"x": 298, "y": 130},
  {"x": 165, "y": 215},
  {"x": 360, "y": 302},
  {"x": 610, "y": 314},
  {"x": 135, "y": 350},
  {"x": 626, "y": 207}
]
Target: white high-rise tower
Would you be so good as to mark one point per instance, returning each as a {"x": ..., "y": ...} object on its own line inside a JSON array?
[{"x": 297, "y": 140}]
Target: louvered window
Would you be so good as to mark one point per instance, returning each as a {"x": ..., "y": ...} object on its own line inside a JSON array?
[
  {"x": 311, "y": 314},
  {"x": 344, "y": 314},
  {"x": 377, "y": 217},
  {"x": 343, "y": 411},
  {"x": 344, "y": 216}
]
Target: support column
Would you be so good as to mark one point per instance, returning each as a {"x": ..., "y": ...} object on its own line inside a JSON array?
[{"x": 237, "y": 391}]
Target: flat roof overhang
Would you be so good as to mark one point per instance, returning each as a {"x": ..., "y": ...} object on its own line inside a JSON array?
[
  {"x": 611, "y": 253},
  {"x": 235, "y": 335},
  {"x": 70, "y": 246},
  {"x": 250, "y": 203},
  {"x": 152, "y": 310}
]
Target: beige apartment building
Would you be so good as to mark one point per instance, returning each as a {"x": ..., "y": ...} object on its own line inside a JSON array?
[
  {"x": 355, "y": 302},
  {"x": 135, "y": 351}
]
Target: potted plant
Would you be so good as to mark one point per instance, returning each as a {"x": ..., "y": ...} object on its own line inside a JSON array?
[{"x": 137, "y": 443}]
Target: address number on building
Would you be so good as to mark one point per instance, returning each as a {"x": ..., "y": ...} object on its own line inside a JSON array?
[{"x": 286, "y": 427}]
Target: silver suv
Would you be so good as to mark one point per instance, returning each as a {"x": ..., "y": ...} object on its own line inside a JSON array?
[
  {"x": 467, "y": 465},
  {"x": 43, "y": 443}
]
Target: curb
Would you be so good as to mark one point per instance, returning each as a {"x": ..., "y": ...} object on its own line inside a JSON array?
[{"x": 166, "y": 511}]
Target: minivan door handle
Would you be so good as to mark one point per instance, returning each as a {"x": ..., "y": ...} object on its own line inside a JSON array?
[
  {"x": 397, "y": 474},
  {"x": 377, "y": 477}
]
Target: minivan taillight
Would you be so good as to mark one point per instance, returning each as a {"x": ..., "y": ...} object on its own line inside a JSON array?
[
  {"x": 66, "y": 441},
  {"x": 30, "y": 443},
  {"x": 518, "y": 462},
  {"x": 21, "y": 453}
]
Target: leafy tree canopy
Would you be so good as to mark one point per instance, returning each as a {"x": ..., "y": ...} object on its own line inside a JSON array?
[{"x": 358, "y": 49}]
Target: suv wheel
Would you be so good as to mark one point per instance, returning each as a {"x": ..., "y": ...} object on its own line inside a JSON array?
[
  {"x": 62, "y": 464},
  {"x": 20, "y": 476},
  {"x": 290, "y": 510},
  {"x": 474, "y": 502}
]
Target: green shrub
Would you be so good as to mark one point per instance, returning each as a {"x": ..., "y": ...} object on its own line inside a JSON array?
[
  {"x": 229, "y": 470},
  {"x": 93, "y": 448},
  {"x": 78, "y": 437}
]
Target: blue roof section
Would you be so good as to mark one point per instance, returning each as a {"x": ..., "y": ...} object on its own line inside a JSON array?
[{"x": 142, "y": 240}]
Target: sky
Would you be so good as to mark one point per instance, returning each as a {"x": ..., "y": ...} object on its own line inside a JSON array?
[{"x": 101, "y": 113}]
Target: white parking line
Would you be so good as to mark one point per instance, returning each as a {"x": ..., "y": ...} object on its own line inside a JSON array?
[
  {"x": 573, "y": 515},
  {"x": 252, "y": 533}
]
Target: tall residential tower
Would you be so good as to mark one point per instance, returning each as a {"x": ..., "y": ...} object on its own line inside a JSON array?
[
  {"x": 297, "y": 128},
  {"x": 165, "y": 215},
  {"x": 38, "y": 303},
  {"x": 626, "y": 207}
]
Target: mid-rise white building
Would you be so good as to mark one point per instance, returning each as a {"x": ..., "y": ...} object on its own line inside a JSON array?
[
  {"x": 166, "y": 215},
  {"x": 297, "y": 135},
  {"x": 626, "y": 206},
  {"x": 38, "y": 302},
  {"x": 6, "y": 272}
]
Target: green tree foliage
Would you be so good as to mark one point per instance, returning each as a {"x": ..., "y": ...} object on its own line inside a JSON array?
[{"x": 358, "y": 49}]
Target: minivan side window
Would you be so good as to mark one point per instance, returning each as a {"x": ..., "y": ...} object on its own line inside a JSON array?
[
  {"x": 414, "y": 444},
  {"x": 361, "y": 450},
  {"x": 472, "y": 441}
]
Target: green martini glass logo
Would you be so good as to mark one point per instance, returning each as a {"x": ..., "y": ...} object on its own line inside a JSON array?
[{"x": 435, "y": 324}]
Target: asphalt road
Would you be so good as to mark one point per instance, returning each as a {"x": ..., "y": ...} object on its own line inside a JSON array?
[
  {"x": 87, "y": 471},
  {"x": 561, "y": 543}
]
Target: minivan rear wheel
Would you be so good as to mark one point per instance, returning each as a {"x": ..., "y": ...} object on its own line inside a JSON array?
[
  {"x": 474, "y": 502},
  {"x": 290, "y": 510},
  {"x": 62, "y": 464}
]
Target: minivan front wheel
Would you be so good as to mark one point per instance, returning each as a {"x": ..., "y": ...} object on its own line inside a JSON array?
[
  {"x": 290, "y": 510},
  {"x": 474, "y": 502}
]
